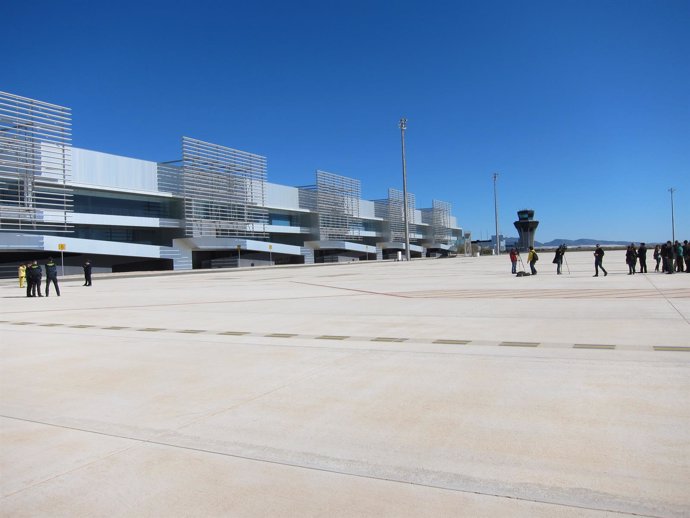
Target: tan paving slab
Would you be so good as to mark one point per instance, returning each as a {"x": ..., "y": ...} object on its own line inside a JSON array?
[{"x": 434, "y": 388}]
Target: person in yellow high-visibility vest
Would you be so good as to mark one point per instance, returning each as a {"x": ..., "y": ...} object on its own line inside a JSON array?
[{"x": 22, "y": 274}]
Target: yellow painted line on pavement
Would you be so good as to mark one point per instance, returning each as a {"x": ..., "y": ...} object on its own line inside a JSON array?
[
  {"x": 452, "y": 342},
  {"x": 388, "y": 339},
  {"x": 115, "y": 328},
  {"x": 191, "y": 331},
  {"x": 234, "y": 333},
  {"x": 331, "y": 337},
  {"x": 280, "y": 335},
  {"x": 593, "y": 346},
  {"x": 671, "y": 348},
  {"x": 152, "y": 329}
]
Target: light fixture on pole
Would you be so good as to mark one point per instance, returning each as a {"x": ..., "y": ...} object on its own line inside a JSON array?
[
  {"x": 498, "y": 242},
  {"x": 673, "y": 221},
  {"x": 403, "y": 126}
]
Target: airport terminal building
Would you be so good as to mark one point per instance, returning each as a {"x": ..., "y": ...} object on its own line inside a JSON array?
[{"x": 212, "y": 207}]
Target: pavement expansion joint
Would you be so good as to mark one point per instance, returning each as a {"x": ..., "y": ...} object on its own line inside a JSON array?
[
  {"x": 346, "y": 338},
  {"x": 594, "y": 346}
]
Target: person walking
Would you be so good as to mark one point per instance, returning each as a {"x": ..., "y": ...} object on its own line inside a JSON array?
[
  {"x": 642, "y": 256},
  {"x": 51, "y": 276},
  {"x": 657, "y": 257},
  {"x": 686, "y": 254},
  {"x": 34, "y": 275},
  {"x": 631, "y": 258},
  {"x": 21, "y": 271},
  {"x": 599, "y": 261},
  {"x": 558, "y": 258},
  {"x": 532, "y": 259},
  {"x": 514, "y": 259},
  {"x": 87, "y": 272}
]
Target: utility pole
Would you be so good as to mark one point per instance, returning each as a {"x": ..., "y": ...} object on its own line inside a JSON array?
[
  {"x": 498, "y": 241},
  {"x": 673, "y": 221},
  {"x": 403, "y": 126}
]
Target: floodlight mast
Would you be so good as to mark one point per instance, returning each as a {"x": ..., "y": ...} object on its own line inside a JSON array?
[
  {"x": 498, "y": 242},
  {"x": 403, "y": 126},
  {"x": 673, "y": 220}
]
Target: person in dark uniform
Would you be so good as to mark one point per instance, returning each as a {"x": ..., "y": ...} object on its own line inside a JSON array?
[
  {"x": 558, "y": 258},
  {"x": 51, "y": 276},
  {"x": 642, "y": 256},
  {"x": 667, "y": 256},
  {"x": 34, "y": 275},
  {"x": 87, "y": 273},
  {"x": 599, "y": 261},
  {"x": 631, "y": 258},
  {"x": 657, "y": 257},
  {"x": 29, "y": 279},
  {"x": 686, "y": 253}
]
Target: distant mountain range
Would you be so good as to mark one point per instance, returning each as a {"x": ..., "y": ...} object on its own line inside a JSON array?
[
  {"x": 511, "y": 241},
  {"x": 582, "y": 242}
]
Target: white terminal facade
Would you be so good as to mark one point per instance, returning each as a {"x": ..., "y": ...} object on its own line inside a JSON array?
[{"x": 211, "y": 208}]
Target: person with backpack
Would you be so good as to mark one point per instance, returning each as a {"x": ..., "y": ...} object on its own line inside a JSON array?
[
  {"x": 51, "y": 276},
  {"x": 599, "y": 261},
  {"x": 532, "y": 259}
]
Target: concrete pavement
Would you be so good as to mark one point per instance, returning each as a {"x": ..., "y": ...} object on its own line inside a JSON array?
[{"x": 432, "y": 388}]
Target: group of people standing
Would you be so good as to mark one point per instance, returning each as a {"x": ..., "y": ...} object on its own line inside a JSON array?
[
  {"x": 675, "y": 257},
  {"x": 32, "y": 273}
]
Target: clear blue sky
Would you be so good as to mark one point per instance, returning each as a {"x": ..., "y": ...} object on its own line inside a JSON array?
[{"x": 582, "y": 107}]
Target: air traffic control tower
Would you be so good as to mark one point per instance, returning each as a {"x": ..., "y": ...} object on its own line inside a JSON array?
[{"x": 526, "y": 226}]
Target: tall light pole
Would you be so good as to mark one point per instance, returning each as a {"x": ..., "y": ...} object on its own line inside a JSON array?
[
  {"x": 403, "y": 126},
  {"x": 673, "y": 221},
  {"x": 498, "y": 242}
]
